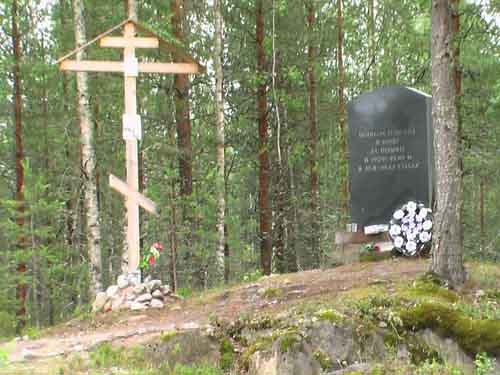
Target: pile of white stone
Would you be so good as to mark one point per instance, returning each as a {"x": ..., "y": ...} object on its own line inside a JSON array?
[{"x": 128, "y": 294}]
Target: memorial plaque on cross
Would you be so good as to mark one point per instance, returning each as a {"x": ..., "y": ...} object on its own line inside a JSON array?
[{"x": 130, "y": 67}]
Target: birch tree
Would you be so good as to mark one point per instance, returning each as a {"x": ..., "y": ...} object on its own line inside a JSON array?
[
  {"x": 264, "y": 207},
  {"x": 219, "y": 108},
  {"x": 88, "y": 160}
]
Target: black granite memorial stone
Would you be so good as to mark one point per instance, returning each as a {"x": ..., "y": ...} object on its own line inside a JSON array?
[{"x": 390, "y": 153}]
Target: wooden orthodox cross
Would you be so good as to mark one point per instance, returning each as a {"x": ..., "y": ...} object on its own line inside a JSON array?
[{"x": 132, "y": 130}]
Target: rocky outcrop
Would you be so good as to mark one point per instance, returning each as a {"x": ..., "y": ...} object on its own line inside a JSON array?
[{"x": 315, "y": 347}]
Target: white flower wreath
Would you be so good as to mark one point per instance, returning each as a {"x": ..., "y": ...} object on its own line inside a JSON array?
[{"x": 410, "y": 228}]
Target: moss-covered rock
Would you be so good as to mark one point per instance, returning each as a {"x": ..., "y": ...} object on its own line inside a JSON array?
[
  {"x": 184, "y": 348},
  {"x": 474, "y": 336},
  {"x": 428, "y": 289}
]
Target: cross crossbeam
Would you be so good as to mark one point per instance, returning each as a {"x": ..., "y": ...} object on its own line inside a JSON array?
[
  {"x": 120, "y": 42},
  {"x": 119, "y": 67},
  {"x": 131, "y": 194}
]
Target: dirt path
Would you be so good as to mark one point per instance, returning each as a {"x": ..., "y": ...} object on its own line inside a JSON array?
[{"x": 129, "y": 328}]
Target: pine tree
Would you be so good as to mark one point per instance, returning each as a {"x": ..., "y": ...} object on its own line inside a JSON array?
[
  {"x": 21, "y": 242},
  {"x": 447, "y": 248}
]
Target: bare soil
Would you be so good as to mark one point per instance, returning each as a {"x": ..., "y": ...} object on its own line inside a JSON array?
[{"x": 130, "y": 328}]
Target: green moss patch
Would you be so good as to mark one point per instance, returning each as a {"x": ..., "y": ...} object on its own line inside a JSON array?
[
  {"x": 262, "y": 345},
  {"x": 329, "y": 315},
  {"x": 290, "y": 341},
  {"x": 273, "y": 293},
  {"x": 427, "y": 288},
  {"x": 474, "y": 336},
  {"x": 226, "y": 354},
  {"x": 375, "y": 256},
  {"x": 167, "y": 336},
  {"x": 323, "y": 359}
]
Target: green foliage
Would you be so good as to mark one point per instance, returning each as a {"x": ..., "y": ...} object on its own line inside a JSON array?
[
  {"x": 4, "y": 356},
  {"x": 329, "y": 315},
  {"x": 323, "y": 359},
  {"x": 484, "y": 364},
  {"x": 32, "y": 332},
  {"x": 165, "y": 337},
  {"x": 195, "y": 370},
  {"x": 7, "y": 324},
  {"x": 273, "y": 293},
  {"x": 437, "y": 368},
  {"x": 184, "y": 292},
  {"x": 252, "y": 276},
  {"x": 226, "y": 354},
  {"x": 105, "y": 356}
]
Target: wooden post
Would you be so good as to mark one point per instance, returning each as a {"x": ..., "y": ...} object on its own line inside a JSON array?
[{"x": 131, "y": 159}]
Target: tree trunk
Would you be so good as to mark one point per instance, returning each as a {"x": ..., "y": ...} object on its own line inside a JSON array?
[
  {"x": 131, "y": 6},
  {"x": 482, "y": 229},
  {"x": 219, "y": 108},
  {"x": 280, "y": 210},
  {"x": 21, "y": 241},
  {"x": 457, "y": 80},
  {"x": 290, "y": 219},
  {"x": 88, "y": 159},
  {"x": 371, "y": 44},
  {"x": 182, "y": 86},
  {"x": 312, "y": 115},
  {"x": 264, "y": 209},
  {"x": 71, "y": 201},
  {"x": 447, "y": 249},
  {"x": 342, "y": 116}
]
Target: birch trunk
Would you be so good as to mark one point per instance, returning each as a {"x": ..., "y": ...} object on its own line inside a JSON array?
[
  {"x": 219, "y": 108},
  {"x": 447, "y": 249},
  {"x": 88, "y": 159},
  {"x": 264, "y": 208},
  {"x": 342, "y": 114},
  {"x": 371, "y": 44},
  {"x": 131, "y": 6}
]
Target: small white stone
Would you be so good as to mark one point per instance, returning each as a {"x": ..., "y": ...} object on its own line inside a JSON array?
[
  {"x": 158, "y": 294},
  {"x": 139, "y": 289},
  {"x": 157, "y": 304},
  {"x": 190, "y": 325},
  {"x": 26, "y": 354},
  {"x": 165, "y": 289},
  {"x": 138, "y": 306},
  {"x": 112, "y": 291},
  {"x": 117, "y": 303},
  {"x": 146, "y": 297},
  {"x": 100, "y": 301},
  {"x": 153, "y": 285},
  {"x": 122, "y": 282}
]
